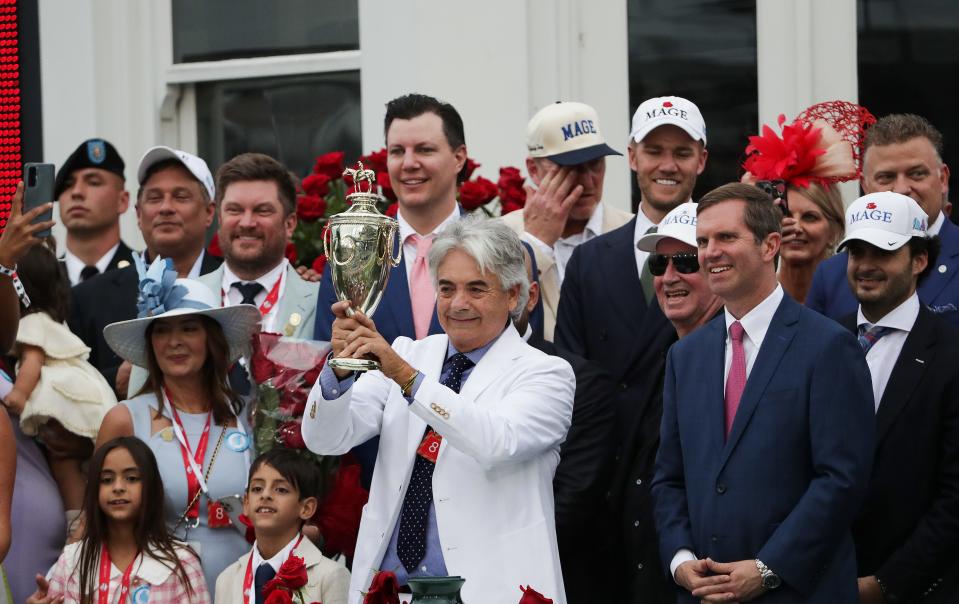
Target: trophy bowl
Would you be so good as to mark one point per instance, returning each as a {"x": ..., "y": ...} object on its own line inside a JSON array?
[{"x": 359, "y": 245}]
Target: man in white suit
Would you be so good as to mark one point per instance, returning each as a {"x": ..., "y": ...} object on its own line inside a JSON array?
[
  {"x": 256, "y": 209},
  {"x": 470, "y": 424}
]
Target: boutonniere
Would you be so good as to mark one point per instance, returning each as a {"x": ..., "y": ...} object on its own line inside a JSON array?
[{"x": 287, "y": 586}]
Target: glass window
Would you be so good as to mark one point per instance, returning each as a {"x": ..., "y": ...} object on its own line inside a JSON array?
[
  {"x": 213, "y": 30},
  {"x": 908, "y": 62},
  {"x": 705, "y": 51},
  {"x": 292, "y": 118}
]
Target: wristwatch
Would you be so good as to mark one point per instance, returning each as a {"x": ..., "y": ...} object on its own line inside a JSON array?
[{"x": 770, "y": 579}]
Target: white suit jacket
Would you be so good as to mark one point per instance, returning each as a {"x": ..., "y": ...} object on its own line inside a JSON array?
[
  {"x": 326, "y": 581},
  {"x": 549, "y": 282},
  {"x": 493, "y": 481}
]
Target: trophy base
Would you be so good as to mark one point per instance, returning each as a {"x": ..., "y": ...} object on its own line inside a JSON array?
[{"x": 354, "y": 364}]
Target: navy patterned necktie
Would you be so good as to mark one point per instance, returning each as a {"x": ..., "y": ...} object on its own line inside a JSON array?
[
  {"x": 411, "y": 544},
  {"x": 264, "y": 572},
  {"x": 870, "y": 334},
  {"x": 248, "y": 291}
]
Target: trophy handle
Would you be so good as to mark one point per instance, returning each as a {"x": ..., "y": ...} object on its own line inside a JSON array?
[
  {"x": 396, "y": 244},
  {"x": 330, "y": 252}
]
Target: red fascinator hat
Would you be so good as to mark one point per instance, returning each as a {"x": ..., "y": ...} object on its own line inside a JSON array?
[{"x": 822, "y": 145}]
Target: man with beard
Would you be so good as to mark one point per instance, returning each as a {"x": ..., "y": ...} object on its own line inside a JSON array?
[{"x": 906, "y": 533}]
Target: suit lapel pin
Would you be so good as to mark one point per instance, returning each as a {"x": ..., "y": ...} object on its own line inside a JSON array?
[
  {"x": 295, "y": 319},
  {"x": 920, "y": 361},
  {"x": 313, "y": 411},
  {"x": 123, "y": 264},
  {"x": 942, "y": 268}
]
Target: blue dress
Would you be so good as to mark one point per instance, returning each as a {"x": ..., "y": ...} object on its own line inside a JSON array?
[{"x": 217, "y": 547}]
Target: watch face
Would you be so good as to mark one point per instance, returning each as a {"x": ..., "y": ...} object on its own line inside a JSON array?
[{"x": 771, "y": 581}]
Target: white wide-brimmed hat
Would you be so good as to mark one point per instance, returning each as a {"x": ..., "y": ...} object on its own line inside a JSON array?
[{"x": 163, "y": 295}]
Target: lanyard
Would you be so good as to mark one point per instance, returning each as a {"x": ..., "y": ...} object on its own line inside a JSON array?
[
  {"x": 270, "y": 300},
  {"x": 192, "y": 464},
  {"x": 248, "y": 595},
  {"x": 103, "y": 589}
]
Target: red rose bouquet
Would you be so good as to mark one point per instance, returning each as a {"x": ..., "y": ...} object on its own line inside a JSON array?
[
  {"x": 530, "y": 596},
  {"x": 287, "y": 586}
]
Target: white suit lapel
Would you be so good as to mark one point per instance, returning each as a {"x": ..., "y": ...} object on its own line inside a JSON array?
[{"x": 494, "y": 364}]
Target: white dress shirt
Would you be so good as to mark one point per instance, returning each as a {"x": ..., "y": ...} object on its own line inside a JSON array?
[
  {"x": 267, "y": 280},
  {"x": 883, "y": 355},
  {"x": 643, "y": 224},
  {"x": 562, "y": 250},
  {"x": 935, "y": 227},
  {"x": 755, "y": 325},
  {"x": 75, "y": 265},
  {"x": 409, "y": 248},
  {"x": 276, "y": 561}
]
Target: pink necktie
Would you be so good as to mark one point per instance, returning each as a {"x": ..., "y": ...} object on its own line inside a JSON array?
[
  {"x": 736, "y": 382},
  {"x": 422, "y": 296}
]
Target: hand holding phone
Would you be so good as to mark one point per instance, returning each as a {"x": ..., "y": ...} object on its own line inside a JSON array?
[{"x": 38, "y": 179}]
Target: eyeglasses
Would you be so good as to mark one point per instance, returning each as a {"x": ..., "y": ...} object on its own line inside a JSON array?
[{"x": 684, "y": 264}]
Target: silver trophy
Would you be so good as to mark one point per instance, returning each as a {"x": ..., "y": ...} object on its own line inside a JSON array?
[{"x": 359, "y": 245}]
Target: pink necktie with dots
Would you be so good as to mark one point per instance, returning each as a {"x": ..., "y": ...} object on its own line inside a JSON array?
[
  {"x": 422, "y": 296},
  {"x": 736, "y": 382}
]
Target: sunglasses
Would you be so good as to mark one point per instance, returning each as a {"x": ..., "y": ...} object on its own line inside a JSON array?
[{"x": 683, "y": 263}]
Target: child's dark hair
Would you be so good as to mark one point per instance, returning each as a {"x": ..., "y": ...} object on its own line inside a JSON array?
[
  {"x": 45, "y": 282},
  {"x": 302, "y": 473},
  {"x": 151, "y": 531}
]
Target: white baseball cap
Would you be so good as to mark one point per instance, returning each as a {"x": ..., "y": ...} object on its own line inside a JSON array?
[
  {"x": 662, "y": 110},
  {"x": 194, "y": 164},
  {"x": 679, "y": 224},
  {"x": 886, "y": 220},
  {"x": 567, "y": 134}
]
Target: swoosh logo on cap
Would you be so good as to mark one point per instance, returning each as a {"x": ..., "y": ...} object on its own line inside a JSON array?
[{"x": 890, "y": 243}]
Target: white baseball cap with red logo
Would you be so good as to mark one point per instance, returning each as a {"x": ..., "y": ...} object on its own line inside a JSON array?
[
  {"x": 662, "y": 110},
  {"x": 886, "y": 220}
]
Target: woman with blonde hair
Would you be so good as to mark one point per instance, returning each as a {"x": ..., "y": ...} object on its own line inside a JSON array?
[{"x": 812, "y": 226}]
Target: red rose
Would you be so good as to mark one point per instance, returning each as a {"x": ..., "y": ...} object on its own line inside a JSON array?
[
  {"x": 290, "y": 253},
  {"x": 319, "y": 263},
  {"x": 338, "y": 515},
  {"x": 475, "y": 193},
  {"x": 330, "y": 164},
  {"x": 290, "y": 436},
  {"x": 531, "y": 596},
  {"x": 261, "y": 366},
  {"x": 510, "y": 177},
  {"x": 310, "y": 208},
  {"x": 292, "y": 572},
  {"x": 375, "y": 161},
  {"x": 214, "y": 248},
  {"x": 310, "y": 377},
  {"x": 317, "y": 184},
  {"x": 383, "y": 590},
  {"x": 386, "y": 185},
  {"x": 279, "y": 596},
  {"x": 511, "y": 199},
  {"x": 470, "y": 168},
  {"x": 393, "y": 209}
]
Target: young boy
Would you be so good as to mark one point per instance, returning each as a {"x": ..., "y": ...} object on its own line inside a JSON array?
[{"x": 280, "y": 496}]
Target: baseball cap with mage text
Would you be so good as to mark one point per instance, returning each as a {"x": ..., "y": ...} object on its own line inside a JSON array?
[
  {"x": 566, "y": 133},
  {"x": 675, "y": 110},
  {"x": 886, "y": 220}
]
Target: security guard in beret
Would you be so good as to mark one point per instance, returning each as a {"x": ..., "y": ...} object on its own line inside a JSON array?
[{"x": 90, "y": 190}]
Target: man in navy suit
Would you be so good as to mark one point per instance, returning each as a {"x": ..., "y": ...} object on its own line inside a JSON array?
[
  {"x": 605, "y": 291},
  {"x": 907, "y": 532},
  {"x": 426, "y": 159},
  {"x": 903, "y": 153},
  {"x": 767, "y": 434}
]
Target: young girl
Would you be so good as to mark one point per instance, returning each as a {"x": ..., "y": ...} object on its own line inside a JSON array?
[
  {"x": 127, "y": 554},
  {"x": 55, "y": 385}
]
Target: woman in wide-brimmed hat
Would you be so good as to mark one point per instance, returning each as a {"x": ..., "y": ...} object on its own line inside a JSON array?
[{"x": 186, "y": 412}]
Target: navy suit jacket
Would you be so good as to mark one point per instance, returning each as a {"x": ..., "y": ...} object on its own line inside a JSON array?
[
  {"x": 787, "y": 483},
  {"x": 601, "y": 303},
  {"x": 939, "y": 291}
]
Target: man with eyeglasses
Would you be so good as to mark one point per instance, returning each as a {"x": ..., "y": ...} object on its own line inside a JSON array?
[
  {"x": 903, "y": 154},
  {"x": 767, "y": 431},
  {"x": 567, "y": 163},
  {"x": 686, "y": 303},
  {"x": 470, "y": 425}
]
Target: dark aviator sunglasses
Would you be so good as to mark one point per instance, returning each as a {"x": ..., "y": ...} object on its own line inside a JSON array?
[{"x": 683, "y": 263}]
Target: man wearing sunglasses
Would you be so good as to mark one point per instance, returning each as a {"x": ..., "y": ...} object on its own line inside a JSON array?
[
  {"x": 767, "y": 431},
  {"x": 687, "y": 303}
]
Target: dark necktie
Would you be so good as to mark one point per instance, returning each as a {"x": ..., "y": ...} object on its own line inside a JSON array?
[
  {"x": 248, "y": 291},
  {"x": 87, "y": 272},
  {"x": 870, "y": 334},
  {"x": 646, "y": 277},
  {"x": 411, "y": 544},
  {"x": 264, "y": 572}
]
